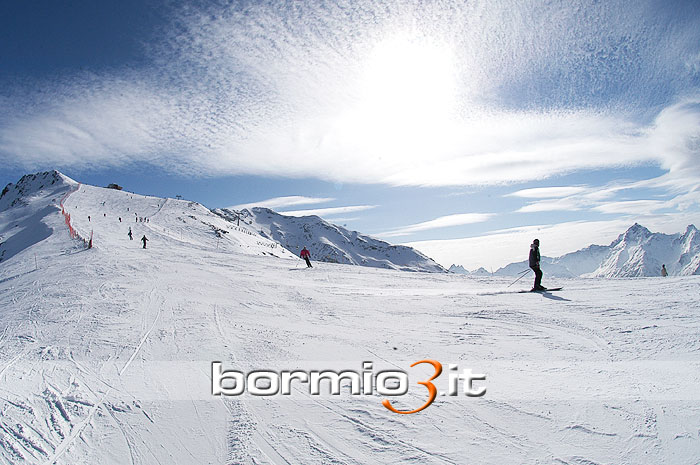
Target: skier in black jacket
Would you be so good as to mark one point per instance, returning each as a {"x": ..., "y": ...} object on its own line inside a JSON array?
[{"x": 535, "y": 265}]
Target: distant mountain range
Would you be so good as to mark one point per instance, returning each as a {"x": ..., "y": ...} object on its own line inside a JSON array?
[
  {"x": 636, "y": 253},
  {"x": 459, "y": 269},
  {"x": 331, "y": 243}
]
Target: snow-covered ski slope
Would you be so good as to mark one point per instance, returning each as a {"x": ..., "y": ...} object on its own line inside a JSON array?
[{"x": 105, "y": 354}]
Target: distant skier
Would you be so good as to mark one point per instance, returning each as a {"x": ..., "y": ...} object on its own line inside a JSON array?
[
  {"x": 306, "y": 255},
  {"x": 664, "y": 273},
  {"x": 120, "y": 219},
  {"x": 535, "y": 265},
  {"x": 131, "y": 236},
  {"x": 88, "y": 217},
  {"x": 144, "y": 239}
]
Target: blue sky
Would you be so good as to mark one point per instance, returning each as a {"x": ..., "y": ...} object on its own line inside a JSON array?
[{"x": 463, "y": 128}]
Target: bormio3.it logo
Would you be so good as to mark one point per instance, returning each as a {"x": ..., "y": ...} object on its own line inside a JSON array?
[{"x": 365, "y": 382}]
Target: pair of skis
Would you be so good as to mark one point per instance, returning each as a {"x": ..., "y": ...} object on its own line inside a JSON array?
[
  {"x": 551, "y": 289},
  {"x": 544, "y": 289}
]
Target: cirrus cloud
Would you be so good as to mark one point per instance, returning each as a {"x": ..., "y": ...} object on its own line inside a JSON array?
[
  {"x": 523, "y": 92},
  {"x": 324, "y": 212},
  {"x": 547, "y": 192},
  {"x": 286, "y": 201},
  {"x": 441, "y": 222}
]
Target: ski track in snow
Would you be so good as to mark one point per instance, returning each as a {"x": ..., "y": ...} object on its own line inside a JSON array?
[{"x": 105, "y": 354}]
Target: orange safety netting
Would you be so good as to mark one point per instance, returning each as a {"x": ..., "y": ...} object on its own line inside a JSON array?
[{"x": 73, "y": 233}]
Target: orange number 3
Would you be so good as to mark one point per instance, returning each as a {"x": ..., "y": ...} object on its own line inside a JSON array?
[{"x": 432, "y": 391}]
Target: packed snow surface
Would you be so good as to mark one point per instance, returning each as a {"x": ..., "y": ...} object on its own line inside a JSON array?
[{"x": 105, "y": 353}]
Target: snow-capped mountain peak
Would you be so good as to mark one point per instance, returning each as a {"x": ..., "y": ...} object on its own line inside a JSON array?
[
  {"x": 635, "y": 253},
  {"x": 459, "y": 269},
  {"x": 635, "y": 233},
  {"x": 32, "y": 184}
]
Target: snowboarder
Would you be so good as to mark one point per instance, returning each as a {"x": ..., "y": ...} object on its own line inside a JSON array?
[
  {"x": 664, "y": 273},
  {"x": 305, "y": 254},
  {"x": 535, "y": 265},
  {"x": 144, "y": 239},
  {"x": 120, "y": 219},
  {"x": 131, "y": 236},
  {"x": 88, "y": 217}
]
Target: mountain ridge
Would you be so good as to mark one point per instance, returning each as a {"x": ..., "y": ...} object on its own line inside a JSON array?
[
  {"x": 637, "y": 252},
  {"x": 331, "y": 243},
  {"x": 261, "y": 229}
]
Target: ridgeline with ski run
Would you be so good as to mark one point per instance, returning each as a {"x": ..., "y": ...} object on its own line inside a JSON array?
[{"x": 106, "y": 352}]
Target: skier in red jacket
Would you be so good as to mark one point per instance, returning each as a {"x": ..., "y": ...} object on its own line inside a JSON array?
[{"x": 305, "y": 254}]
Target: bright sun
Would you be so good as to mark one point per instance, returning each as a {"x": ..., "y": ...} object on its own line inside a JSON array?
[
  {"x": 409, "y": 79},
  {"x": 407, "y": 94}
]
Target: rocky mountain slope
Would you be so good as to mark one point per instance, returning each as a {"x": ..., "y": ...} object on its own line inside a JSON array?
[{"x": 331, "y": 243}]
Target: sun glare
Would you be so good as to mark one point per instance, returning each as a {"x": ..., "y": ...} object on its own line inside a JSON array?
[
  {"x": 407, "y": 96},
  {"x": 409, "y": 79}
]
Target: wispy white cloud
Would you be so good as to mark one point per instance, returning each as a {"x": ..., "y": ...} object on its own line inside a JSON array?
[
  {"x": 286, "y": 201},
  {"x": 324, "y": 212},
  {"x": 566, "y": 204},
  {"x": 341, "y": 219},
  {"x": 653, "y": 195},
  {"x": 441, "y": 222},
  {"x": 548, "y": 192},
  {"x": 632, "y": 206},
  {"x": 678, "y": 203},
  {"x": 397, "y": 94}
]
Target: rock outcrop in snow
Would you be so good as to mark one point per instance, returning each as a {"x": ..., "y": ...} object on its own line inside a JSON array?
[
  {"x": 48, "y": 182},
  {"x": 636, "y": 253},
  {"x": 330, "y": 243}
]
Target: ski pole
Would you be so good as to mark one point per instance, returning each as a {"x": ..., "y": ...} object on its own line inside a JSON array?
[{"x": 519, "y": 278}]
